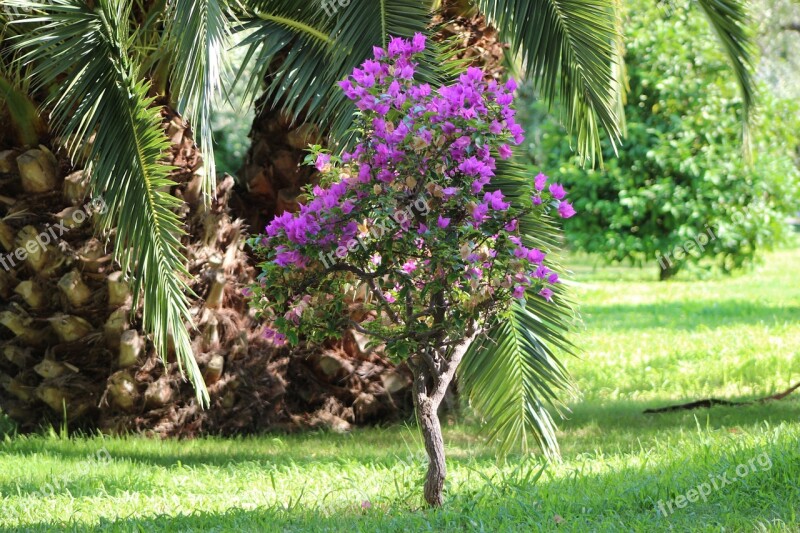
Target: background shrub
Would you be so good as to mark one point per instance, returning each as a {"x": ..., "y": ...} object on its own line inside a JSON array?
[{"x": 681, "y": 170}]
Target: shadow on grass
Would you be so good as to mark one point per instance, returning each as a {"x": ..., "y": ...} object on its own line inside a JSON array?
[
  {"x": 380, "y": 447},
  {"x": 622, "y": 425},
  {"x": 688, "y": 315},
  {"x": 616, "y": 427},
  {"x": 621, "y": 498}
]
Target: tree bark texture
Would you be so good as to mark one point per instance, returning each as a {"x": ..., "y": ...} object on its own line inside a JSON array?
[
  {"x": 428, "y": 415},
  {"x": 429, "y": 389}
]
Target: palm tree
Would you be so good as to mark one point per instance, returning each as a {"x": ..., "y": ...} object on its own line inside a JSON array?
[{"x": 108, "y": 66}]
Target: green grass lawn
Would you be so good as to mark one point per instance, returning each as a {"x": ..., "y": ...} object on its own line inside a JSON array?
[{"x": 645, "y": 344}]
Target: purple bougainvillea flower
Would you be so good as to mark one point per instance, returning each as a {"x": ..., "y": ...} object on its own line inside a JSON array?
[
  {"x": 285, "y": 259},
  {"x": 519, "y": 292},
  {"x": 553, "y": 278},
  {"x": 547, "y": 294},
  {"x": 418, "y": 43},
  {"x": 275, "y": 337},
  {"x": 542, "y": 272},
  {"x": 463, "y": 142},
  {"x": 565, "y": 209},
  {"x": 443, "y": 222},
  {"x": 322, "y": 160},
  {"x": 540, "y": 181},
  {"x": 479, "y": 212},
  {"x": 386, "y": 176},
  {"x": 511, "y": 226},
  {"x": 478, "y": 184},
  {"x": 495, "y": 200},
  {"x": 536, "y": 256},
  {"x": 449, "y": 192},
  {"x": 557, "y": 191},
  {"x": 398, "y": 46},
  {"x": 409, "y": 266},
  {"x": 517, "y": 132},
  {"x": 505, "y": 99},
  {"x": 505, "y": 151},
  {"x": 364, "y": 173},
  {"x": 280, "y": 339}
]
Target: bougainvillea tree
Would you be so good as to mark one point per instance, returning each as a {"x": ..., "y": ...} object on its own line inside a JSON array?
[{"x": 406, "y": 238}]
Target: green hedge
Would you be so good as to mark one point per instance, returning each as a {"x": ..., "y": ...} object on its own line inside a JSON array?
[{"x": 681, "y": 176}]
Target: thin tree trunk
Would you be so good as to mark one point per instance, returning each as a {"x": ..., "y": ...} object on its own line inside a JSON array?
[
  {"x": 667, "y": 273},
  {"x": 431, "y": 380},
  {"x": 428, "y": 415}
]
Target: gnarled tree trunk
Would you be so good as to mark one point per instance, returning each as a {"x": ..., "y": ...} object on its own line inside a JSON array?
[
  {"x": 428, "y": 419},
  {"x": 432, "y": 377}
]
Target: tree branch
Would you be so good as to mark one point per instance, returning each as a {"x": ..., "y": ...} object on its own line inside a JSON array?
[
  {"x": 379, "y": 294},
  {"x": 456, "y": 355},
  {"x": 795, "y": 26}
]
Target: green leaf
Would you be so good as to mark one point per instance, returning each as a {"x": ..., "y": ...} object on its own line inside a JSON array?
[
  {"x": 731, "y": 22},
  {"x": 512, "y": 375},
  {"x": 570, "y": 50},
  {"x": 199, "y": 37}
]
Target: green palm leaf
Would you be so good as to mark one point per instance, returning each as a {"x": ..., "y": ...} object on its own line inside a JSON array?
[
  {"x": 199, "y": 34},
  {"x": 731, "y": 22},
  {"x": 101, "y": 94},
  {"x": 512, "y": 375},
  {"x": 318, "y": 50},
  {"x": 569, "y": 48}
]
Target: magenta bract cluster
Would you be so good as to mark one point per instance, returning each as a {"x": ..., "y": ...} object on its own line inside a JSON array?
[{"x": 413, "y": 203}]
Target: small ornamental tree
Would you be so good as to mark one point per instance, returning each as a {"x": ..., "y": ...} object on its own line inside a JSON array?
[{"x": 407, "y": 233}]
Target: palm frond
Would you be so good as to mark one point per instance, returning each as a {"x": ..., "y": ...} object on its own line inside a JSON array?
[
  {"x": 731, "y": 22},
  {"x": 101, "y": 94},
  {"x": 620, "y": 71},
  {"x": 298, "y": 34},
  {"x": 199, "y": 35},
  {"x": 318, "y": 49},
  {"x": 15, "y": 97},
  {"x": 569, "y": 48},
  {"x": 368, "y": 23},
  {"x": 512, "y": 375}
]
